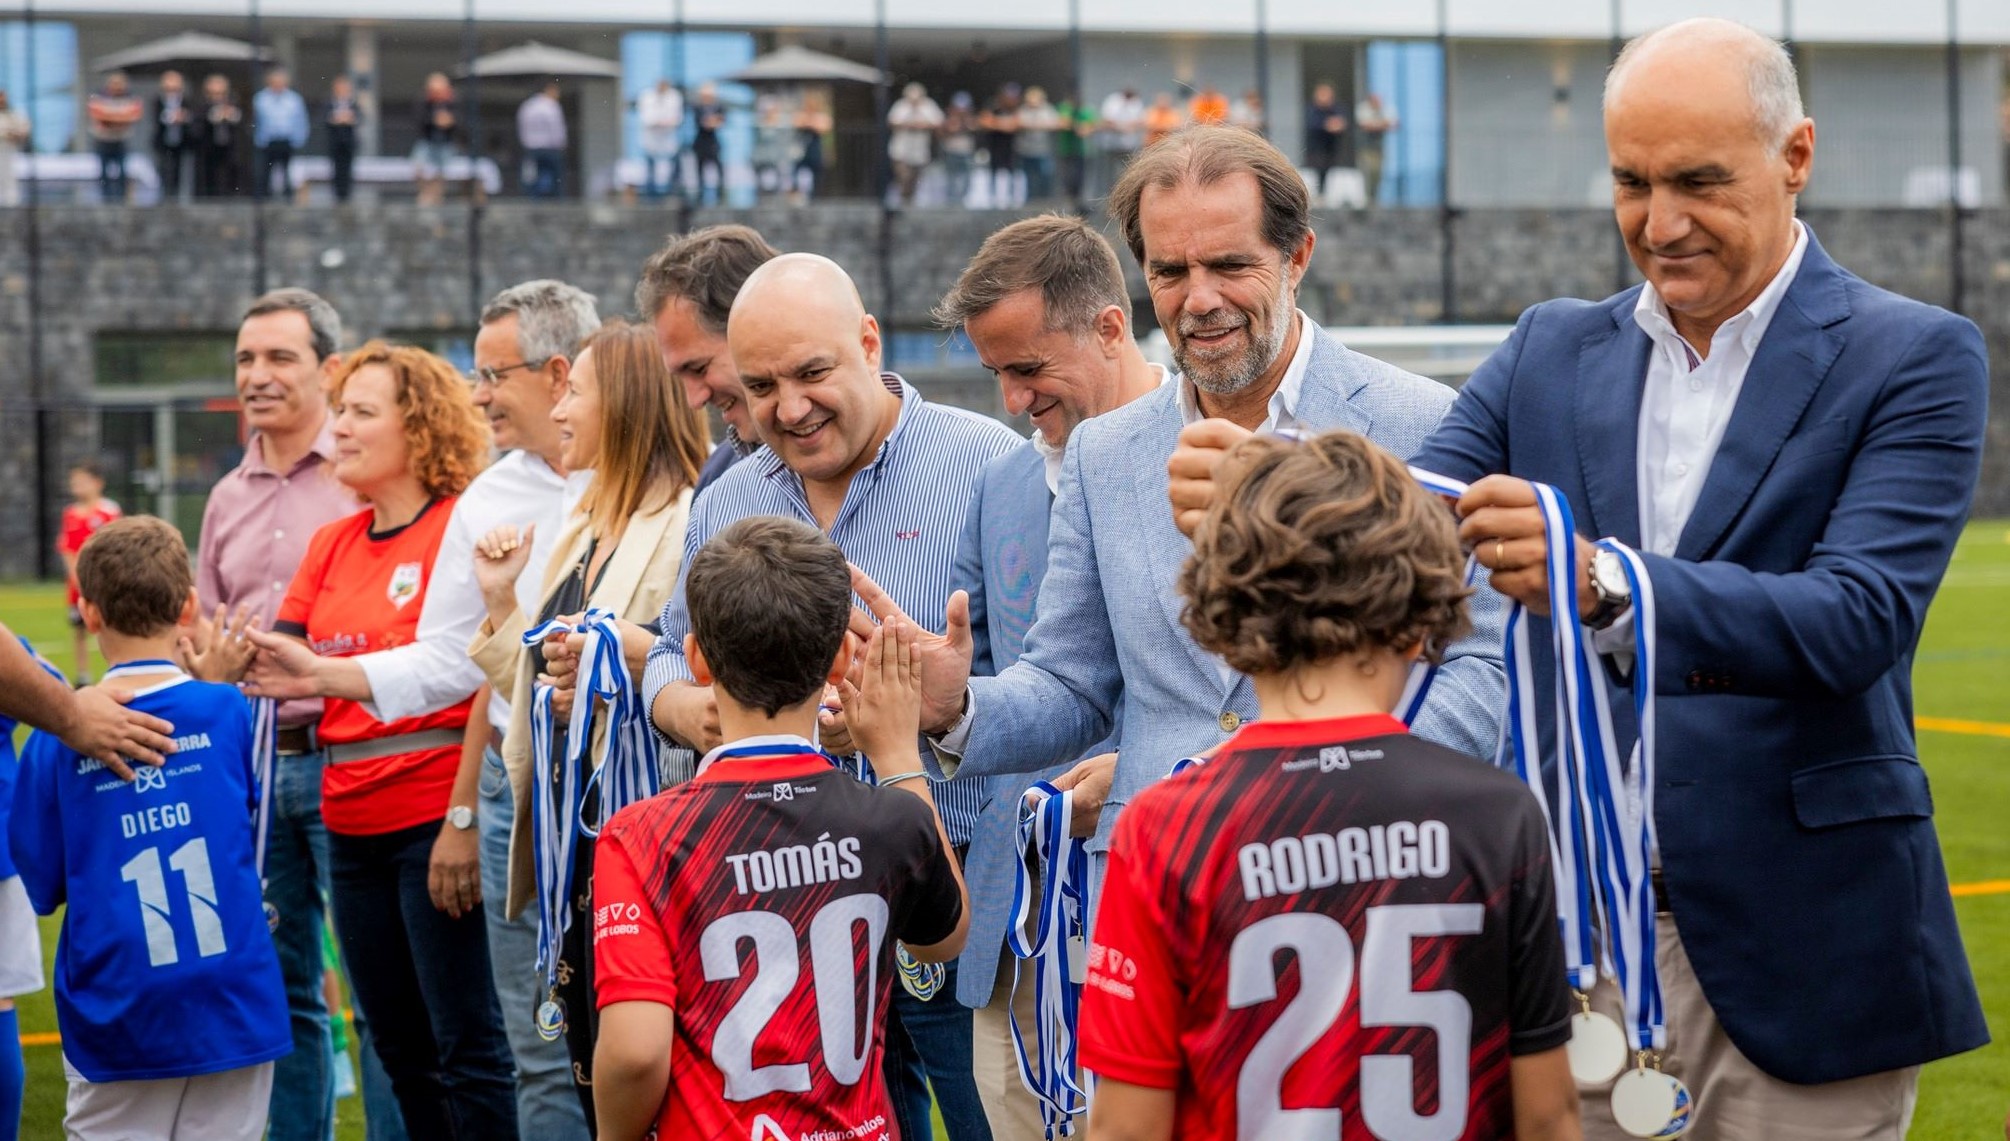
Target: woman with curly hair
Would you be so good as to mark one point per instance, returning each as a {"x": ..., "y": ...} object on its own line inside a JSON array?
[
  {"x": 1325, "y": 866},
  {"x": 408, "y": 439}
]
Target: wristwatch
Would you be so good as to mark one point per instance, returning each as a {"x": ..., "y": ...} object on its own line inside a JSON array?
[
  {"x": 1610, "y": 587},
  {"x": 461, "y": 817}
]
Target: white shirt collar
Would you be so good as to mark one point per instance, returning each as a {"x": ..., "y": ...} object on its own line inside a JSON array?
[
  {"x": 1283, "y": 407},
  {"x": 1747, "y": 327},
  {"x": 1053, "y": 455}
]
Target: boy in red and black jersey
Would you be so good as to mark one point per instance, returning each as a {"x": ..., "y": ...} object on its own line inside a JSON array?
[
  {"x": 1331, "y": 929},
  {"x": 744, "y": 922}
]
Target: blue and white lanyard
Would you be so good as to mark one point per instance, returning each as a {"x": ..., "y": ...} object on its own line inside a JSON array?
[
  {"x": 1603, "y": 817},
  {"x": 1417, "y": 687},
  {"x": 1063, "y": 910},
  {"x": 627, "y": 772},
  {"x": 264, "y": 763}
]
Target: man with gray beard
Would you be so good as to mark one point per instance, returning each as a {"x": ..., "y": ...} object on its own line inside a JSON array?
[{"x": 1218, "y": 218}]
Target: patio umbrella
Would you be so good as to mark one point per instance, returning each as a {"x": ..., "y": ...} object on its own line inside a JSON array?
[
  {"x": 184, "y": 47},
  {"x": 796, "y": 64},
  {"x": 536, "y": 59}
]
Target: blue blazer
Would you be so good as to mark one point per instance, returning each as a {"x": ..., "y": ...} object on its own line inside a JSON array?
[
  {"x": 1109, "y": 610},
  {"x": 1795, "y": 823},
  {"x": 1000, "y": 560}
]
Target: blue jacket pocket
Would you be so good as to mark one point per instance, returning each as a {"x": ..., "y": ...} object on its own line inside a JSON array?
[{"x": 1859, "y": 789}]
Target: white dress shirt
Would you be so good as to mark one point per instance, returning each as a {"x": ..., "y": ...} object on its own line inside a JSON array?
[
  {"x": 1685, "y": 406},
  {"x": 435, "y": 671},
  {"x": 1052, "y": 456}
]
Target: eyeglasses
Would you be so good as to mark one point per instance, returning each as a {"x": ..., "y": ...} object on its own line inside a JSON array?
[{"x": 493, "y": 376}]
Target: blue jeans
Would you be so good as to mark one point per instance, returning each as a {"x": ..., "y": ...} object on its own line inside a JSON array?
[
  {"x": 545, "y": 166},
  {"x": 112, "y": 171},
  {"x": 1039, "y": 176},
  {"x": 928, "y": 1046},
  {"x": 546, "y": 1107},
  {"x": 296, "y": 889},
  {"x": 422, "y": 980},
  {"x": 661, "y": 174}
]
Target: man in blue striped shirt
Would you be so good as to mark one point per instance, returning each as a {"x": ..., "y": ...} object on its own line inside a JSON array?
[{"x": 888, "y": 476}]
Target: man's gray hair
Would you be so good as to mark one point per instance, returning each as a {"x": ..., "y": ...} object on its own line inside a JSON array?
[
  {"x": 1774, "y": 87},
  {"x": 324, "y": 325},
  {"x": 552, "y": 318}
]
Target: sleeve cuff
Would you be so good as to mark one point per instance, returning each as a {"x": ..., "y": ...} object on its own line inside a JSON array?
[
  {"x": 1616, "y": 642},
  {"x": 608, "y": 991},
  {"x": 947, "y": 750},
  {"x": 1137, "y": 1071}
]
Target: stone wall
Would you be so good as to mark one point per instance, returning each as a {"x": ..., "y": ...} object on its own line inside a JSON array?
[{"x": 403, "y": 270}]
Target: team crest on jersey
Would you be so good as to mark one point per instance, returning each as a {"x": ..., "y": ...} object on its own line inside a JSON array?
[
  {"x": 147, "y": 778},
  {"x": 767, "y": 1129},
  {"x": 404, "y": 584},
  {"x": 1334, "y": 757}
]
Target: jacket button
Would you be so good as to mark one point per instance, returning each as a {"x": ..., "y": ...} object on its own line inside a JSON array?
[
  {"x": 1230, "y": 722},
  {"x": 1695, "y": 680}
]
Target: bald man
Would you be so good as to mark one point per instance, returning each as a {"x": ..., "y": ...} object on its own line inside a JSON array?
[
  {"x": 1792, "y": 451},
  {"x": 888, "y": 476}
]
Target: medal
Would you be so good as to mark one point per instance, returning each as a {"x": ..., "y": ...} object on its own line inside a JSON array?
[
  {"x": 1649, "y": 1103},
  {"x": 1597, "y": 1047},
  {"x": 551, "y": 1019},
  {"x": 271, "y": 917},
  {"x": 922, "y": 980}
]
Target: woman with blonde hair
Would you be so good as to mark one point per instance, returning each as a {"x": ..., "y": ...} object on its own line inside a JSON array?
[
  {"x": 408, "y": 440},
  {"x": 622, "y": 418}
]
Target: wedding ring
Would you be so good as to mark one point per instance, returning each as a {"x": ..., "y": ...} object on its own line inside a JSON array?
[{"x": 1500, "y": 554}]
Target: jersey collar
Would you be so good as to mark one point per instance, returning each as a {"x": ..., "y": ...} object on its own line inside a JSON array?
[
  {"x": 1331, "y": 731},
  {"x": 771, "y": 757}
]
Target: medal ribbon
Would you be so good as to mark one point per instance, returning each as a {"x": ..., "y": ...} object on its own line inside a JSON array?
[
  {"x": 264, "y": 765},
  {"x": 553, "y": 841},
  {"x": 627, "y": 773},
  {"x": 1063, "y": 909}
]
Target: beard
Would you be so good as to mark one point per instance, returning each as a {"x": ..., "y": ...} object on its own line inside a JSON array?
[{"x": 1228, "y": 375}]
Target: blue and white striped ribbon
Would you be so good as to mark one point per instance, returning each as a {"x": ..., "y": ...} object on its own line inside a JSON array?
[
  {"x": 264, "y": 764},
  {"x": 1063, "y": 910},
  {"x": 553, "y": 838},
  {"x": 627, "y": 772}
]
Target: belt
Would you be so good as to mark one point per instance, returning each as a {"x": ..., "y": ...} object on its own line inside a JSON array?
[
  {"x": 293, "y": 740},
  {"x": 393, "y": 746}
]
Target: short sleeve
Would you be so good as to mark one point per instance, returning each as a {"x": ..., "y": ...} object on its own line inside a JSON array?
[
  {"x": 1131, "y": 998},
  {"x": 36, "y": 827},
  {"x": 631, "y": 954},
  {"x": 298, "y": 605},
  {"x": 930, "y": 904},
  {"x": 1540, "y": 1010},
  {"x": 75, "y": 531}
]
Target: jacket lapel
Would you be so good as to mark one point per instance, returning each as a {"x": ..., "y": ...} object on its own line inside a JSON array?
[
  {"x": 1324, "y": 398},
  {"x": 1611, "y": 371},
  {"x": 1165, "y": 548},
  {"x": 622, "y": 580},
  {"x": 1793, "y": 358}
]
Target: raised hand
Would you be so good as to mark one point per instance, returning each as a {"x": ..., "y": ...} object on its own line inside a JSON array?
[
  {"x": 219, "y": 650},
  {"x": 833, "y": 731},
  {"x": 943, "y": 659},
  {"x": 1192, "y": 469},
  {"x": 284, "y": 668},
  {"x": 500, "y": 557},
  {"x": 883, "y": 708}
]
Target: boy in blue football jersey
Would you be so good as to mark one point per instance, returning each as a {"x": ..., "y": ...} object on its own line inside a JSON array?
[{"x": 167, "y": 988}]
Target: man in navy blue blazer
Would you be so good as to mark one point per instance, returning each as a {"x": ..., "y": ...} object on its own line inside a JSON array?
[
  {"x": 1045, "y": 305},
  {"x": 1793, "y": 453}
]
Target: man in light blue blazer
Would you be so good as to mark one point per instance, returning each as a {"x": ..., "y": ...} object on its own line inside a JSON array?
[
  {"x": 1219, "y": 220},
  {"x": 1045, "y": 305}
]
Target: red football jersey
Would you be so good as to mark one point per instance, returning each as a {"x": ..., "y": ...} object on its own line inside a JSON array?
[
  {"x": 1332, "y": 929},
  {"x": 79, "y": 524},
  {"x": 760, "y": 902}
]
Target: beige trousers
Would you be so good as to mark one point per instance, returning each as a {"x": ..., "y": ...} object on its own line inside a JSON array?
[{"x": 1735, "y": 1100}]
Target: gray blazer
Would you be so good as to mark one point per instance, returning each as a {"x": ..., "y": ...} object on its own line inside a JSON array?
[{"x": 1108, "y": 623}]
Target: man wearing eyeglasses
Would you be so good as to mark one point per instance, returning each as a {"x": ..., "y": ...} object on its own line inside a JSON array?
[{"x": 523, "y": 356}]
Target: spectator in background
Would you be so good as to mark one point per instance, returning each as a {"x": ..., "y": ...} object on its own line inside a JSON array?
[
  {"x": 1071, "y": 145},
  {"x": 959, "y": 147},
  {"x": 540, "y": 134},
  {"x": 1163, "y": 118},
  {"x": 660, "y": 112},
  {"x": 1000, "y": 124},
  {"x": 709, "y": 116},
  {"x": 1209, "y": 106},
  {"x": 774, "y": 146},
  {"x": 1034, "y": 144},
  {"x": 174, "y": 132},
  {"x": 439, "y": 122},
  {"x": 913, "y": 121},
  {"x": 1120, "y": 131},
  {"x": 1375, "y": 120},
  {"x": 113, "y": 112},
  {"x": 87, "y": 511},
  {"x": 1325, "y": 136},
  {"x": 14, "y": 132},
  {"x": 217, "y": 130},
  {"x": 278, "y": 128},
  {"x": 813, "y": 122},
  {"x": 343, "y": 115},
  {"x": 1247, "y": 112}
]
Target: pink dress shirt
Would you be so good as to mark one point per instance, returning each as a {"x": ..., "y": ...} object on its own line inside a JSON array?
[{"x": 255, "y": 531}]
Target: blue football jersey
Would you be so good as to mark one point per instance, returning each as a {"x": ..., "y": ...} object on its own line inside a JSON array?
[
  {"x": 10, "y": 764},
  {"x": 165, "y": 968}
]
